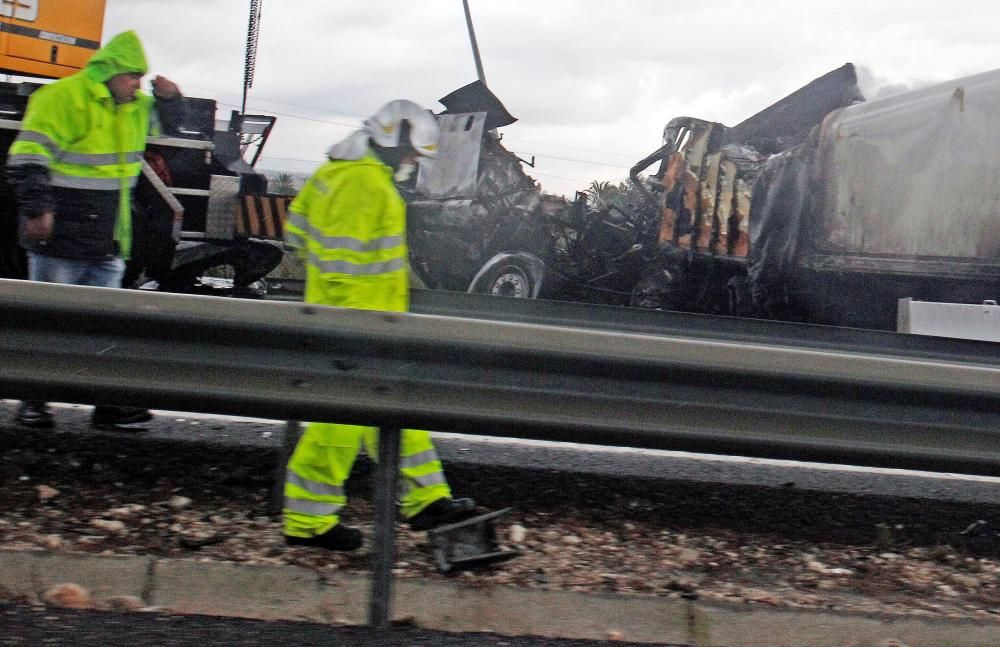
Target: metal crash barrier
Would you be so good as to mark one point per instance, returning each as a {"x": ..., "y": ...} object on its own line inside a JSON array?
[{"x": 933, "y": 407}]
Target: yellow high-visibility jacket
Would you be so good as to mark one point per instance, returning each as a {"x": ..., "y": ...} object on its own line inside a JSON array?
[
  {"x": 348, "y": 223},
  {"x": 79, "y": 154}
]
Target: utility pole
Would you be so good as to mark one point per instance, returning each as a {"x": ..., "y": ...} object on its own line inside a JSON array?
[{"x": 475, "y": 45}]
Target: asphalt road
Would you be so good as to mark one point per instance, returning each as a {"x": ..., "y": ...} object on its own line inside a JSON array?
[
  {"x": 462, "y": 450},
  {"x": 32, "y": 626}
]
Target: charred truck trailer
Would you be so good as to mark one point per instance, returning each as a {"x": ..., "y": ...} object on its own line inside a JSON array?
[
  {"x": 822, "y": 208},
  {"x": 200, "y": 207},
  {"x": 827, "y": 209}
]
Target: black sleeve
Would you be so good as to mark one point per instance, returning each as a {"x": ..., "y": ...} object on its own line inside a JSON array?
[
  {"x": 32, "y": 189},
  {"x": 172, "y": 113}
]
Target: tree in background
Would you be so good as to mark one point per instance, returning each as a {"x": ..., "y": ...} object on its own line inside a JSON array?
[
  {"x": 624, "y": 195},
  {"x": 284, "y": 183},
  {"x": 603, "y": 194}
]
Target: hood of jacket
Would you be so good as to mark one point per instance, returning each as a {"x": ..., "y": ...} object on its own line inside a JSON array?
[{"x": 121, "y": 55}]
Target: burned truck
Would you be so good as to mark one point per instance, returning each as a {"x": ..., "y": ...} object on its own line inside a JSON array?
[
  {"x": 825, "y": 208},
  {"x": 478, "y": 223}
]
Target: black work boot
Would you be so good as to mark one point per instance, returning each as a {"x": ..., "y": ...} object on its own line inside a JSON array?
[
  {"x": 339, "y": 537},
  {"x": 36, "y": 414},
  {"x": 441, "y": 512},
  {"x": 110, "y": 417}
]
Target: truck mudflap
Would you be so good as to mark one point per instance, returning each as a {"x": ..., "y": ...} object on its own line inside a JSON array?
[{"x": 510, "y": 274}]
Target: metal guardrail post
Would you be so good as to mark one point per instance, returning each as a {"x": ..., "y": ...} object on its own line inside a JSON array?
[{"x": 384, "y": 544}]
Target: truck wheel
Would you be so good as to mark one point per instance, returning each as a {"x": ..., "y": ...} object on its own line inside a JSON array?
[
  {"x": 737, "y": 298},
  {"x": 510, "y": 280}
]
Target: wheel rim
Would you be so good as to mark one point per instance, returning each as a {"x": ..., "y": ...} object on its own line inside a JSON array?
[{"x": 511, "y": 282}]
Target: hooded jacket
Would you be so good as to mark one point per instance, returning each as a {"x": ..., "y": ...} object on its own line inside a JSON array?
[{"x": 79, "y": 154}]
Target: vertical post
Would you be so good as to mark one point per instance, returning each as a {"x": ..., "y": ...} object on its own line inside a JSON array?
[
  {"x": 293, "y": 431},
  {"x": 384, "y": 546},
  {"x": 475, "y": 45}
]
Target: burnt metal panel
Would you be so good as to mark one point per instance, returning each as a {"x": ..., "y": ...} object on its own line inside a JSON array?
[
  {"x": 476, "y": 97},
  {"x": 780, "y": 124},
  {"x": 453, "y": 173}
]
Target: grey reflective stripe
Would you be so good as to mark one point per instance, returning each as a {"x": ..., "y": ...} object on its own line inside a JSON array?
[
  {"x": 312, "y": 507},
  {"x": 98, "y": 159},
  {"x": 19, "y": 159},
  {"x": 357, "y": 269},
  {"x": 313, "y": 487},
  {"x": 319, "y": 186},
  {"x": 344, "y": 242},
  {"x": 38, "y": 138},
  {"x": 417, "y": 460},
  {"x": 294, "y": 240},
  {"x": 427, "y": 480},
  {"x": 95, "y": 183},
  {"x": 356, "y": 245}
]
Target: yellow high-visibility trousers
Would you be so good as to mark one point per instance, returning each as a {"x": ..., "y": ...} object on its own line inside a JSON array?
[{"x": 322, "y": 461}]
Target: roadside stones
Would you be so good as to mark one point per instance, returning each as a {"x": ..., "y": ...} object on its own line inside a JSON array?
[
  {"x": 67, "y": 595},
  {"x": 125, "y": 603},
  {"x": 109, "y": 525},
  {"x": 126, "y": 511},
  {"x": 179, "y": 502},
  {"x": 518, "y": 533},
  {"x": 46, "y": 493}
]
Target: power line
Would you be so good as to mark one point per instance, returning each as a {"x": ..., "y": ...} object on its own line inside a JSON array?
[
  {"x": 567, "y": 159},
  {"x": 575, "y": 148},
  {"x": 513, "y": 139},
  {"x": 300, "y": 117}
]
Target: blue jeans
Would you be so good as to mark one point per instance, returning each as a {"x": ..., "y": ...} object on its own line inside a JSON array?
[{"x": 72, "y": 271}]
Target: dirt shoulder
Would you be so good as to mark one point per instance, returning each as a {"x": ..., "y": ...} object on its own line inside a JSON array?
[{"x": 772, "y": 548}]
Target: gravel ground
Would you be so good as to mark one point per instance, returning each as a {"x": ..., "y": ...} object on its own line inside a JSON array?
[{"x": 777, "y": 547}]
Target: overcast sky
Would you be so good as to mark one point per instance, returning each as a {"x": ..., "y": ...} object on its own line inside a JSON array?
[{"x": 592, "y": 82}]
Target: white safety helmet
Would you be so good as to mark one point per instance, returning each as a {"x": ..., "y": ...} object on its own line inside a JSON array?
[{"x": 386, "y": 126}]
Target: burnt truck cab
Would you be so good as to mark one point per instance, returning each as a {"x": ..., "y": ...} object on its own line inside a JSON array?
[
  {"x": 703, "y": 194},
  {"x": 478, "y": 223},
  {"x": 474, "y": 218}
]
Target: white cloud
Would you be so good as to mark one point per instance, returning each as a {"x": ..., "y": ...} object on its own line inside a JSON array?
[{"x": 590, "y": 81}]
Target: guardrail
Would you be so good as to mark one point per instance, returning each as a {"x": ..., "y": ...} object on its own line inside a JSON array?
[{"x": 754, "y": 397}]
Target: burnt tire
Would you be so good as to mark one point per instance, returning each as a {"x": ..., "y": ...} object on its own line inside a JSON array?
[{"x": 510, "y": 279}]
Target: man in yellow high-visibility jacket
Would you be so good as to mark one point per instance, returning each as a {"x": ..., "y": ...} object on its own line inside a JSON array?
[
  {"x": 348, "y": 224},
  {"x": 73, "y": 165}
]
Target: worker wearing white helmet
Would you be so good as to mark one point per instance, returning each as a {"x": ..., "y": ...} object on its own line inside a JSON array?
[{"x": 348, "y": 224}]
